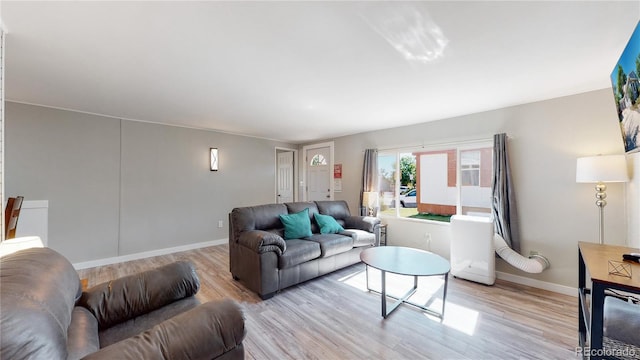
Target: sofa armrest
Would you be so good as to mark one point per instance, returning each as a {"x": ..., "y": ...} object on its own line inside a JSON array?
[
  {"x": 366, "y": 223},
  {"x": 205, "y": 332},
  {"x": 262, "y": 241},
  {"x": 125, "y": 298}
]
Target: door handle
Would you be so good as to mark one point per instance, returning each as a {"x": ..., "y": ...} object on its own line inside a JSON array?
[{"x": 328, "y": 196}]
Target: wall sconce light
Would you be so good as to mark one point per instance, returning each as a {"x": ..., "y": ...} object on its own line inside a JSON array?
[{"x": 214, "y": 159}]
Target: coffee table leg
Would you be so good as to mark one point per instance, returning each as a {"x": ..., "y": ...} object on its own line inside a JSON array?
[
  {"x": 444, "y": 294},
  {"x": 405, "y": 298},
  {"x": 366, "y": 267},
  {"x": 384, "y": 295}
]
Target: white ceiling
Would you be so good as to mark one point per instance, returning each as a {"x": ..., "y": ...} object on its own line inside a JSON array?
[{"x": 303, "y": 71}]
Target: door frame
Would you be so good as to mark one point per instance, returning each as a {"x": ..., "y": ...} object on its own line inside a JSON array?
[
  {"x": 303, "y": 183},
  {"x": 276, "y": 150}
]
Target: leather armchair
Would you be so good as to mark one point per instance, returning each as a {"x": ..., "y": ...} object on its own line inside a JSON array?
[{"x": 151, "y": 315}]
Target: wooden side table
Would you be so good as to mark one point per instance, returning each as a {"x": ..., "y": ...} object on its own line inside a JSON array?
[{"x": 383, "y": 235}]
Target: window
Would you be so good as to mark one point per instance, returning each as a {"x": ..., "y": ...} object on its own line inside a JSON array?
[
  {"x": 387, "y": 182},
  {"x": 423, "y": 183},
  {"x": 318, "y": 159},
  {"x": 475, "y": 190},
  {"x": 470, "y": 168}
]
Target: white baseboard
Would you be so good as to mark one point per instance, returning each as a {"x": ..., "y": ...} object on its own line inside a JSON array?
[
  {"x": 566, "y": 290},
  {"x": 147, "y": 254}
]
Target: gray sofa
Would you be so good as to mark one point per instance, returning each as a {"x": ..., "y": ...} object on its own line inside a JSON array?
[
  {"x": 262, "y": 260},
  {"x": 151, "y": 315}
]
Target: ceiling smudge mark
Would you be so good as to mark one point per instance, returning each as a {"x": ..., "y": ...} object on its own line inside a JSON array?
[{"x": 408, "y": 28}]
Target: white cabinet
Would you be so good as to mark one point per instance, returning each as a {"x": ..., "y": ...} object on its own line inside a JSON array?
[{"x": 34, "y": 219}]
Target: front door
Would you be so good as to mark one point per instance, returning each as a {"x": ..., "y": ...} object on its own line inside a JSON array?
[
  {"x": 318, "y": 174},
  {"x": 285, "y": 177}
]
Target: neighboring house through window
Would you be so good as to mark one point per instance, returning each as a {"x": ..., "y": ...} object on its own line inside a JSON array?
[
  {"x": 426, "y": 185},
  {"x": 470, "y": 168}
]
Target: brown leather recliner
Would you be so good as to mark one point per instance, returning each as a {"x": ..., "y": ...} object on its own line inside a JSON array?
[{"x": 151, "y": 315}]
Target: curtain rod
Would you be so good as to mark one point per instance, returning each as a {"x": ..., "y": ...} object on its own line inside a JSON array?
[{"x": 437, "y": 144}]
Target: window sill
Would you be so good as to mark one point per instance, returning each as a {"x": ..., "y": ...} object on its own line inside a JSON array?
[{"x": 422, "y": 221}]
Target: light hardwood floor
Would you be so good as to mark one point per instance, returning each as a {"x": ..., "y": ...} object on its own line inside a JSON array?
[{"x": 334, "y": 317}]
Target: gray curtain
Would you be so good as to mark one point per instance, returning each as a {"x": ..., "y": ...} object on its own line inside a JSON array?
[
  {"x": 369, "y": 175},
  {"x": 504, "y": 200}
]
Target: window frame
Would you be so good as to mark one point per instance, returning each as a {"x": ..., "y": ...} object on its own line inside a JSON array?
[{"x": 458, "y": 146}]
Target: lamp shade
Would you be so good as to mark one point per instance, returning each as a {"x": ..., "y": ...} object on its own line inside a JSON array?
[
  {"x": 370, "y": 199},
  {"x": 609, "y": 168}
]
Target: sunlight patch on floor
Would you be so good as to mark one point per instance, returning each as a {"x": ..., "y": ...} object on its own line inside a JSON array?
[
  {"x": 429, "y": 294},
  {"x": 457, "y": 317},
  {"x": 356, "y": 280}
]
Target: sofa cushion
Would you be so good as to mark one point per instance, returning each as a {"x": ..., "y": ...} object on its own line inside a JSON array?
[
  {"x": 298, "y": 251},
  {"x": 328, "y": 225},
  {"x": 336, "y": 208},
  {"x": 361, "y": 237},
  {"x": 294, "y": 207},
  {"x": 296, "y": 225},
  {"x": 331, "y": 244},
  {"x": 261, "y": 217}
]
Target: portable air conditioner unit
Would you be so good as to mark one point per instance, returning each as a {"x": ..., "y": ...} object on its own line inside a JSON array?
[{"x": 472, "y": 250}]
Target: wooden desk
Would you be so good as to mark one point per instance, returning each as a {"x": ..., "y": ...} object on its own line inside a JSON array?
[{"x": 594, "y": 259}]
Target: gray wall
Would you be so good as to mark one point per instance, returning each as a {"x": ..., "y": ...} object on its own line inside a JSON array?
[
  {"x": 120, "y": 187},
  {"x": 545, "y": 138}
]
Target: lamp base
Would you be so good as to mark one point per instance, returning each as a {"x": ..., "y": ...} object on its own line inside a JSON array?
[{"x": 601, "y": 195}]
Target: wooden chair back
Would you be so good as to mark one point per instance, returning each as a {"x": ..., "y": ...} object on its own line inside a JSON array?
[{"x": 11, "y": 214}]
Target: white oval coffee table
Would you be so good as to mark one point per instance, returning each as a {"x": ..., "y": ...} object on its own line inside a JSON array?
[{"x": 405, "y": 261}]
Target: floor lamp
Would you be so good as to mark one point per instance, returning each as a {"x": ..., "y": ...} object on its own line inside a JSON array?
[
  {"x": 600, "y": 170},
  {"x": 370, "y": 201}
]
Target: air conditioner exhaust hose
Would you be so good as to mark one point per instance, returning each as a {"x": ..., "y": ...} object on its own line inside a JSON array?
[{"x": 534, "y": 264}]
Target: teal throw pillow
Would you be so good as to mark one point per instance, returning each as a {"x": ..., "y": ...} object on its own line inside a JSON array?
[
  {"x": 296, "y": 225},
  {"x": 328, "y": 225}
]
